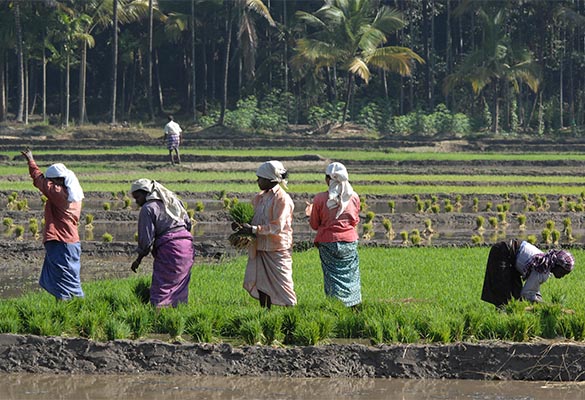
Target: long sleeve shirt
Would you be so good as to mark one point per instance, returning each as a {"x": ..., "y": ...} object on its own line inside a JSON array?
[
  {"x": 273, "y": 213},
  {"x": 61, "y": 216},
  {"x": 531, "y": 289},
  {"x": 154, "y": 222},
  {"x": 330, "y": 229}
]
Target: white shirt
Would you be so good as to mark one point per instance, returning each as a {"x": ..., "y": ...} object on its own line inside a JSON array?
[
  {"x": 172, "y": 128},
  {"x": 531, "y": 289}
]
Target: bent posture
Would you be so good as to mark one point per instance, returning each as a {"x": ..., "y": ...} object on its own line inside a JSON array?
[
  {"x": 61, "y": 267},
  {"x": 164, "y": 229},
  {"x": 514, "y": 262},
  {"x": 268, "y": 276},
  {"x": 334, "y": 214}
]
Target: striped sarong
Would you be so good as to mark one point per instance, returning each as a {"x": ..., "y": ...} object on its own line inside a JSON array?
[
  {"x": 172, "y": 141},
  {"x": 171, "y": 273},
  {"x": 61, "y": 268},
  {"x": 341, "y": 271}
]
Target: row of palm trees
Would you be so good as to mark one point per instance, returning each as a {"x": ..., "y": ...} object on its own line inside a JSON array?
[{"x": 410, "y": 53}]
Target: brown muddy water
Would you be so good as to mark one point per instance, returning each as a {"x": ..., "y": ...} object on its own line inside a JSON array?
[{"x": 157, "y": 387}]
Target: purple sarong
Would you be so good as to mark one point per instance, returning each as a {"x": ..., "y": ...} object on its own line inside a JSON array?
[
  {"x": 173, "y": 259},
  {"x": 173, "y": 141}
]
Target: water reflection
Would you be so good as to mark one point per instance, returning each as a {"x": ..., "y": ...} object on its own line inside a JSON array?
[{"x": 150, "y": 387}]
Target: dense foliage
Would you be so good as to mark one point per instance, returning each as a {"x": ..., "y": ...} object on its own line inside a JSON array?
[{"x": 395, "y": 66}]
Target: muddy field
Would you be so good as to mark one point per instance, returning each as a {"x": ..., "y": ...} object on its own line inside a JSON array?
[{"x": 21, "y": 261}]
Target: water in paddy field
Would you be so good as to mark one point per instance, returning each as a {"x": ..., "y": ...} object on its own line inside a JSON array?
[{"x": 163, "y": 387}]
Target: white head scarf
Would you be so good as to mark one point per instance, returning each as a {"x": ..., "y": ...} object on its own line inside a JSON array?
[
  {"x": 340, "y": 190},
  {"x": 274, "y": 171},
  {"x": 73, "y": 187},
  {"x": 173, "y": 206}
]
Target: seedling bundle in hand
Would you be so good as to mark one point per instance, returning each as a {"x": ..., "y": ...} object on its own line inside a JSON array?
[{"x": 241, "y": 213}]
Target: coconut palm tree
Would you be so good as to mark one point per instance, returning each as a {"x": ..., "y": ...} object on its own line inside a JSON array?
[
  {"x": 495, "y": 64},
  {"x": 351, "y": 35}
]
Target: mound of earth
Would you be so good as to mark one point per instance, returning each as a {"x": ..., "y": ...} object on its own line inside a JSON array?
[{"x": 523, "y": 361}]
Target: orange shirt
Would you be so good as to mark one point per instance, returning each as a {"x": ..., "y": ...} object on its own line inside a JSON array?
[
  {"x": 61, "y": 216},
  {"x": 329, "y": 229},
  {"x": 273, "y": 213}
]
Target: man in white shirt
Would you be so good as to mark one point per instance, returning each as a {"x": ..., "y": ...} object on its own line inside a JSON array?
[{"x": 173, "y": 139}]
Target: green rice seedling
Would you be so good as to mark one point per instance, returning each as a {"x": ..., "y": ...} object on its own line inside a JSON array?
[
  {"x": 235, "y": 201},
  {"x": 416, "y": 198},
  {"x": 89, "y": 235},
  {"x": 350, "y": 325},
  {"x": 502, "y": 219},
  {"x": 227, "y": 203},
  {"x": 114, "y": 195},
  {"x": 106, "y": 206},
  {"x": 428, "y": 227},
  {"x": 546, "y": 236},
  {"x": 117, "y": 329},
  {"x": 374, "y": 331},
  {"x": 221, "y": 194},
  {"x": 493, "y": 221},
  {"x": 500, "y": 208},
  {"x": 404, "y": 237},
  {"x": 44, "y": 199},
  {"x": 306, "y": 333},
  {"x": 200, "y": 328},
  {"x": 435, "y": 208},
  {"x": 550, "y": 315},
  {"x": 272, "y": 328},
  {"x": 291, "y": 316},
  {"x": 127, "y": 202},
  {"x": 479, "y": 223},
  {"x": 407, "y": 334},
  {"x": 448, "y": 206},
  {"x": 579, "y": 207},
  {"x": 9, "y": 318},
  {"x": 107, "y": 237},
  {"x": 199, "y": 206},
  {"x": 566, "y": 223},
  {"x": 139, "y": 319},
  {"x": 415, "y": 237},
  {"x": 475, "y": 205},
  {"x": 367, "y": 230},
  {"x": 434, "y": 199},
  {"x": 171, "y": 321},
  {"x": 22, "y": 205},
  {"x": 363, "y": 204},
  {"x": 33, "y": 227},
  {"x": 392, "y": 206},
  {"x": 532, "y": 239},
  {"x": 521, "y": 218},
  {"x": 525, "y": 198},
  {"x": 458, "y": 204},
  {"x": 8, "y": 223},
  {"x": 191, "y": 214},
  {"x": 573, "y": 328},
  {"x": 550, "y": 224},
  {"x": 488, "y": 206},
  {"x": 89, "y": 221},
  {"x": 562, "y": 203},
  {"x": 428, "y": 205},
  {"x": 387, "y": 224},
  {"x": 370, "y": 215},
  {"x": 476, "y": 239},
  {"x": 519, "y": 327},
  {"x": 531, "y": 208},
  {"x": 19, "y": 232},
  {"x": 251, "y": 331},
  {"x": 141, "y": 290},
  {"x": 242, "y": 213},
  {"x": 569, "y": 234},
  {"x": 555, "y": 236},
  {"x": 420, "y": 206}
]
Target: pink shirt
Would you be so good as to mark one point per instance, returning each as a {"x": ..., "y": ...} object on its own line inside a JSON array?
[
  {"x": 61, "y": 216},
  {"x": 273, "y": 213},
  {"x": 328, "y": 228}
]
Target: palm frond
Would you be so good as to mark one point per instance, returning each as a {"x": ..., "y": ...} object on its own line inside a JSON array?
[{"x": 358, "y": 67}]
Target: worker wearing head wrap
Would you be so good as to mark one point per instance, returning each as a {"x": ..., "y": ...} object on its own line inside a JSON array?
[
  {"x": 60, "y": 274},
  {"x": 516, "y": 269},
  {"x": 164, "y": 230},
  {"x": 268, "y": 275},
  {"x": 334, "y": 214}
]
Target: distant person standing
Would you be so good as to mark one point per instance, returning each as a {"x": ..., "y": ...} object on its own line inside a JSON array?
[
  {"x": 61, "y": 267},
  {"x": 173, "y": 139}
]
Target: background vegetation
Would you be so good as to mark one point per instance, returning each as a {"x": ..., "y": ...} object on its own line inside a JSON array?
[{"x": 395, "y": 66}]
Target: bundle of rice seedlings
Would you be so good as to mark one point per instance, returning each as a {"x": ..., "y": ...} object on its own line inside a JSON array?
[{"x": 241, "y": 213}]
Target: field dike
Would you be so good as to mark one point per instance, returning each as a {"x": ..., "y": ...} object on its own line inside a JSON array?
[{"x": 490, "y": 360}]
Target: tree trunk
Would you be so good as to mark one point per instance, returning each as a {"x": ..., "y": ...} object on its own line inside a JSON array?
[
  {"x": 26, "y": 93},
  {"x": 20, "y": 63},
  {"x": 82, "y": 76},
  {"x": 67, "y": 89},
  {"x": 226, "y": 63},
  {"x": 159, "y": 91},
  {"x": 347, "y": 98},
  {"x": 205, "y": 74},
  {"x": 2, "y": 88},
  {"x": 193, "y": 70},
  {"x": 285, "y": 49},
  {"x": 44, "y": 61},
  {"x": 149, "y": 58},
  {"x": 496, "y": 113},
  {"x": 114, "y": 83}
]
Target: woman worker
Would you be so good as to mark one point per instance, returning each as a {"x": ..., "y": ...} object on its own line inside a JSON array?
[
  {"x": 61, "y": 268},
  {"x": 164, "y": 229},
  {"x": 510, "y": 263},
  {"x": 334, "y": 214},
  {"x": 268, "y": 275}
]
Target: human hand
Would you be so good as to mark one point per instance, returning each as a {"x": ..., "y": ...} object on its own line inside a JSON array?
[
  {"x": 246, "y": 229},
  {"x": 27, "y": 153},
  {"x": 135, "y": 265},
  {"x": 308, "y": 208}
]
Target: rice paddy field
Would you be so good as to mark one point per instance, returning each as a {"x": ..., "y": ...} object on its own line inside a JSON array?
[{"x": 429, "y": 216}]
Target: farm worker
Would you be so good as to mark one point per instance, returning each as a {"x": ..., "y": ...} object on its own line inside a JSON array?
[
  {"x": 173, "y": 139},
  {"x": 61, "y": 267},
  {"x": 334, "y": 214},
  {"x": 164, "y": 229},
  {"x": 510, "y": 263},
  {"x": 268, "y": 275}
]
